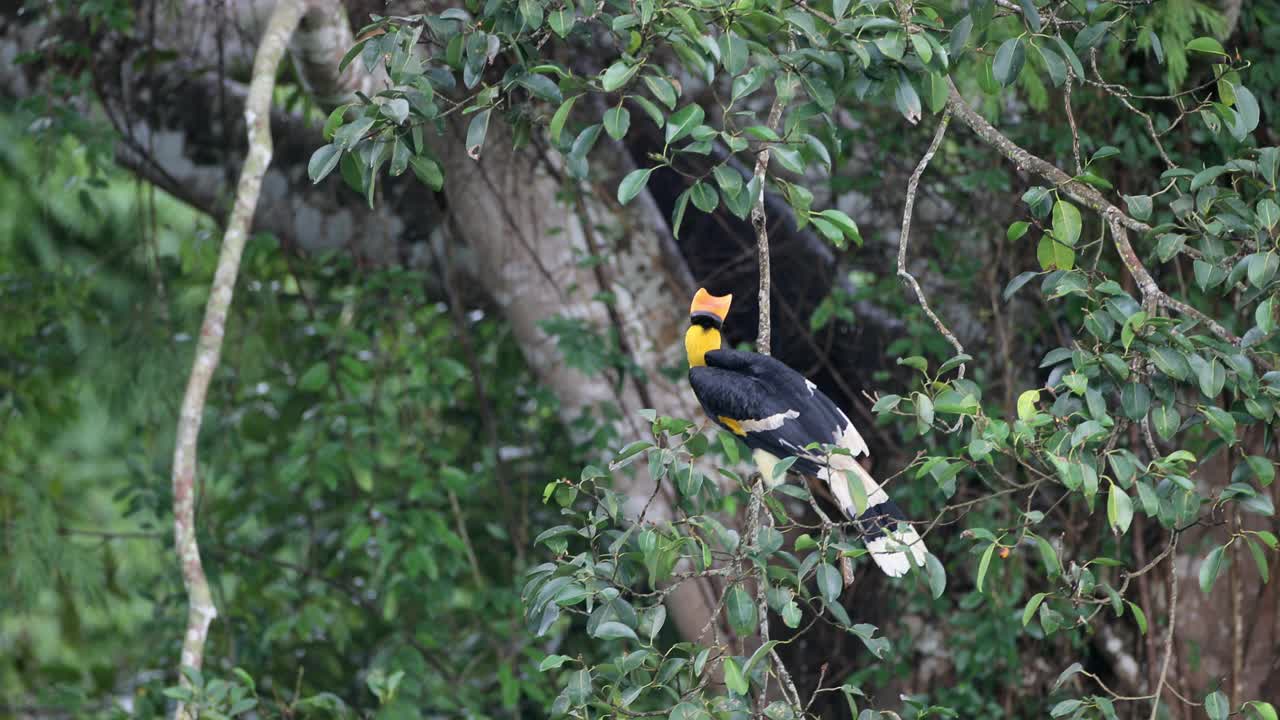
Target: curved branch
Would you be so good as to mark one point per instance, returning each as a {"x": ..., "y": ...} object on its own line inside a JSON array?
[
  {"x": 905, "y": 236},
  {"x": 201, "y": 610},
  {"x": 1118, "y": 221}
]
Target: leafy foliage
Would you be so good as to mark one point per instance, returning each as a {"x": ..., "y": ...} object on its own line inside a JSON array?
[{"x": 1146, "y": 391}]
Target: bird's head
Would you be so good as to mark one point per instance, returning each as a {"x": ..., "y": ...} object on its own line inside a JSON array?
[
  {"x": 709, "y": 310},
  {"x": 706, "y": 316}
]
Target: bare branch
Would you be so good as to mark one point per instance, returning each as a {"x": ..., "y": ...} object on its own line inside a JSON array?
[
  {"x": 912, "y": 185},
  {"x": 1168, "y": 638},
  {"x": 201, "y": 610},
  {"x": 761, "y": 224}
]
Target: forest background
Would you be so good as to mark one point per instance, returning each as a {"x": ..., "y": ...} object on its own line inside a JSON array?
[{"x": 436, "y": 457}]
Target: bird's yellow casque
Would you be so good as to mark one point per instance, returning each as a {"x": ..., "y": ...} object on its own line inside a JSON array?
[{"x": 778, "y": 413}]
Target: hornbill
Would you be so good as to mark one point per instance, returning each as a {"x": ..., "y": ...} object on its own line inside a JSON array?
[{"x": 779, "y": 413}]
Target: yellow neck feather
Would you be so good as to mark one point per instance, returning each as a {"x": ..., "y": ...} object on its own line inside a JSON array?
[{"x": 699, "y": 340}]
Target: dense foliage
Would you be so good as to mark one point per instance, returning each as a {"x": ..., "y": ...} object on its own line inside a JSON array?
[
  {"x": 396, "y": 522},
  {"x": 1146, "y": 390}
]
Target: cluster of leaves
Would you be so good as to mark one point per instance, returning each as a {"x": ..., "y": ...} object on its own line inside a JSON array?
[
  {"x": 1130, "y": 410},
  {"x": 1130, "y": 372},
  {"x": 616, "y": 570}
]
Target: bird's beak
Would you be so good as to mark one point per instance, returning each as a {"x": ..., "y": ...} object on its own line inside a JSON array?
[{"x": 707, "y": 305}]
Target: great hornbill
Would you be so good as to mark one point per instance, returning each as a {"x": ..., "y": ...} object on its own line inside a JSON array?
[{"x": 779, "y": 413}]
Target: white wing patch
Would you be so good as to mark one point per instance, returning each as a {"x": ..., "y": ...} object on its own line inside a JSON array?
[
  {"x": 849, "y": 439},
  {"x": 811, "y": 386},
  {"x": 773, "y": 422}
]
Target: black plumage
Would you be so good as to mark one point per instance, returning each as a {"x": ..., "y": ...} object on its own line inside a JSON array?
[{"x": 778, "y": 413}]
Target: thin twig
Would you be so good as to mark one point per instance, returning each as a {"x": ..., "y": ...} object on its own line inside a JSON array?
[
  {"x": 761, "y": 225},
  {"x": 1168, "y": 638},
  {"x": 905, "y": 236},
  {"x": 1071, "y": 120},
  {"x": 201, "y": 610}
]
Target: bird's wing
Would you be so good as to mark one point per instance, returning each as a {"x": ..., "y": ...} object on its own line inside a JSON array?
[
  {"x": 776, "y": 410},
  {"x": 772, "y": 407}
]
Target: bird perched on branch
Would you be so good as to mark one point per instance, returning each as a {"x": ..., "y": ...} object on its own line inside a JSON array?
[{"x": 779, "y": 414}]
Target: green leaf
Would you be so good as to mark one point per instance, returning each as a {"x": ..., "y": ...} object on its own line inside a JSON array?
[
  {"x": 741, "y": 609},
  {"x": 1165, "y": 420},
  {"x": 1262, "y": 468},
  {"x": 733, "y": 677},
  {"x": 1017, "y": 230},
  {"x": 427, "y": 171},
  {"x": 315, "y": 378},
  {"x": 1053, "y": 64},
  {"x": 1009, "y": 60},
  {"x": 937, "y": 575},
  {"x": 323, "y": 161},
  {"x": 654, "y": 113},
  {"x": 613, "y": 630},
  {"x": 677, "y": 215},
  {"x": 1070, "y": 55},
  {"x": 1259, "y": 710},
  {"x": 704, "y": 197},
  {"x": 476, "y": 132},
  {"x": 1119, "y": 509},
  {"x": 1211, "y": 567},
  {"x": 662, "y": 89},
  {"x": 1216, "y": 706},
  {"x": 829, "y": 582},
  {"x": 579, "y": 688},
  {"x": 1268, "y": 213},
  {"x": 1048, "y": 555},
  {"x": 845, "y": 223},
  {"x": 1027, "y": 404},
  {"x": 734, "y": 53},
  {"x": 1139, "y": 616},
  {"x": 1212, "y": 377},
  {"x": 1017, "y": 283},
  {"x": 632, "y": 184},
  {"x": 562, "y": 20},
  {"x": 559, "y": 118},
  {"x": 1090, "y": 37},
  {"x": 1032, "y": 605},
  {"x": 984, "y": 564},
  {"x": 1139, "y": 206},
  {"x": 1030, "y": 15},
  {"x": 551, "y": 662},
  {"x": 1262, "y": 268},
  {"x": 1066, "y": 223},
  {"x": 1259, "y": 559},
  {"x": 617, "y": 75},
  {"x": 1066, "y": 707},
  {"x": 1135, "y": 400},
  {"x": 1171, "y": 362},
  {"x": 1222, "y": 423},
  {"x": 616, "y": 122},
  {"x": 1206, "y": 45},
  {"x": 683, "y": 122},
  {"x": 1053, "y": 255}
]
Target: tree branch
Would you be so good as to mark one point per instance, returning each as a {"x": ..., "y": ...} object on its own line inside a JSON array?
[
  {"x": 1119, "y": 222},
  {"x": 201, "y": 610},
  {"x": 912, "y": 185},
  {"x": 760, "y": 222},
  {"x": 1168, "y": 638}
]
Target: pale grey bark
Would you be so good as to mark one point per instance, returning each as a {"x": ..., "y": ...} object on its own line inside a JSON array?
[{"x": 201, "y": 610}]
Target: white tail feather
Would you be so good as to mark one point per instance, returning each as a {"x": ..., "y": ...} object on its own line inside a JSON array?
[{"x": 893, "y": 551}]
